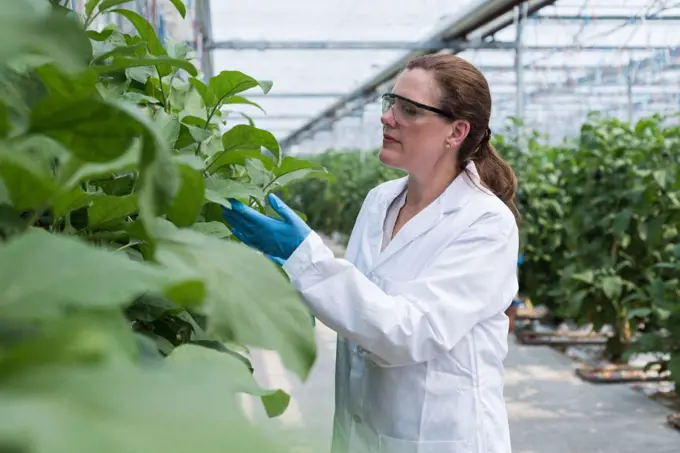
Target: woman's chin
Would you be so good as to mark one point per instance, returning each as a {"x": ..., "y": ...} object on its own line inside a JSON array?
[{"x": 389, "y": 157}]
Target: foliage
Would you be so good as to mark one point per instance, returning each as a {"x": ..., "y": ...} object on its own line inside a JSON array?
[
  {"x": 600, "y": 230},
  {"x": 332, "y": 206},
  {"x": 127, "y": 306}
]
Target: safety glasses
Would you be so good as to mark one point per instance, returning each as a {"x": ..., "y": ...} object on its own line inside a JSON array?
[{"x": 407, "y": 110}]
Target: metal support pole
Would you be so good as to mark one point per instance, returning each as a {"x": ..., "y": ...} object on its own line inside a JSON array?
[
  {"x": 205, "y": 21},
  {"x": 630, "y": 81},
  {"x": 520, "y": 16}
]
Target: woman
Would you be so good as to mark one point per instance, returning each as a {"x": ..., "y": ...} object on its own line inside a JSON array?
[{"x": 418, "y": 301}]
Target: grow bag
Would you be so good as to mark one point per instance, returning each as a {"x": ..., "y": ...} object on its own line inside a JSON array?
[
  {"x": 618, "y": 374},
  {"x": 561, "y": 338}
]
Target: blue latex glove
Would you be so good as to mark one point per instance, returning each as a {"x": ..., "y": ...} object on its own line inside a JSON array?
[
  {"x": 276, "y": 238},
  {"x": 520, "y": 259}
]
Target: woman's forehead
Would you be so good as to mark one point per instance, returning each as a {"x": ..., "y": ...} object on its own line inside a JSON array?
[{"x": 418, "y": 85}]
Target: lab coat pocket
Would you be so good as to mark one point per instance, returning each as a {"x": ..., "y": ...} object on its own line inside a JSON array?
[
  {"x": 394, "y": 445},
  {"x": 451, "y": 407}
]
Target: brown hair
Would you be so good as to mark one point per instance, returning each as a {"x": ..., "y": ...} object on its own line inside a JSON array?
[{"x": 466, "y": 96}]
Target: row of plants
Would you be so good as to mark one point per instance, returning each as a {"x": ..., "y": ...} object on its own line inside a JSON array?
[
  {"x": 127, "y": 308},
  {"x": 600, "y": 230}
]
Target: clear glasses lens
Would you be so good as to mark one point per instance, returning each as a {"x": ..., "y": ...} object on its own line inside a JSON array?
[{"x": 387, "y": 102}]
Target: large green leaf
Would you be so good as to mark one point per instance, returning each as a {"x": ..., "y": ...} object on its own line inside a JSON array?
[
  {"x": 164, "y": 64},
  {"x": 230, "y": 83},
  {"x": 145, "y": 30},
  {"x": 106, "y": 209},
  {"x": 245, "y": 137},
  {"x": 30, "y": 27},
  {"x": 94, "y": 130},
  {"x": 274, "y": 401},
  {"x": 223, "y": 189},
  {"x": 187, "y": 204},
  {"x": 249, "y": 301},
  {"x": 174, "y": 408},
  {"x": 28, "y": 184},
  {"x": 42, "y": 275}
]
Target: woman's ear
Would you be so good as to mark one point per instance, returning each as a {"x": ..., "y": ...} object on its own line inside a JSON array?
[{"x": 459, "y": 132}]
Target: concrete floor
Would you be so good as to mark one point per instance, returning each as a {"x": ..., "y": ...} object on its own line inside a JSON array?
[{"x": 550, "y": 409}]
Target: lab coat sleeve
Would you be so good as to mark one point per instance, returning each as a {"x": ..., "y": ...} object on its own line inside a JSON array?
[{"x": 473, "y": 278}]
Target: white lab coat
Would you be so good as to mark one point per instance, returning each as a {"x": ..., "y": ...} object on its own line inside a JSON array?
[{"x": 421, "y": 324}]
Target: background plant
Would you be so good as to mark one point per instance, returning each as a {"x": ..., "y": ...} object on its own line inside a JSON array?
[{"x": 127, "y": 308}]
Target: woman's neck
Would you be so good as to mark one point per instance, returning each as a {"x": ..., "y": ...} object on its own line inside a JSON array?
[{"x": 423, "y": 190}]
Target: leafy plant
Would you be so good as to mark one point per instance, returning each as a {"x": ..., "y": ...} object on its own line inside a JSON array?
[
  {"x": 601, "y": 216},
  {"x": 127, "y": 305}
]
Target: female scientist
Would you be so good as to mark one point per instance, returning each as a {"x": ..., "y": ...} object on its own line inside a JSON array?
[{"x": 419, "y": 299}]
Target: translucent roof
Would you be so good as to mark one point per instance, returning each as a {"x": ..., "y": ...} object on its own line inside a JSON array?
[{"x": 576, "y": 56}]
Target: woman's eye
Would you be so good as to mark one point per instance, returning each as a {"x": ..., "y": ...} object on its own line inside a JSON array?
[{"x": 409, "y": 110}]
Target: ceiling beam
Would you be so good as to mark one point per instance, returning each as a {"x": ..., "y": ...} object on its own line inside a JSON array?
[
  {"x": 456, "y": 45},
  {"x": 482, "y": 16},
  {"x": 587, "y": 18},
  {"x": 357, "y": 45}
]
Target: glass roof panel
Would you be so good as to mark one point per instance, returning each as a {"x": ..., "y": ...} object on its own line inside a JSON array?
[{"x": 576, "y": 57}]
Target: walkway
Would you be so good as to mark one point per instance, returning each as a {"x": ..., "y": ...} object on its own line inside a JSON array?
[{"x": 550, "y": 409}]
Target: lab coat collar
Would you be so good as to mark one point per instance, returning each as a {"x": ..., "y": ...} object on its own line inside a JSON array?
[{"x": 453, "y": 198}]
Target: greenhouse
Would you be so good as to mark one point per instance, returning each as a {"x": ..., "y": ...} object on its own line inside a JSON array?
[{"x": 384, "y": 227}]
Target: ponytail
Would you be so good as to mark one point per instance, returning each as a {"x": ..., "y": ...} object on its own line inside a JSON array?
[{"x": 497, "y": 175}]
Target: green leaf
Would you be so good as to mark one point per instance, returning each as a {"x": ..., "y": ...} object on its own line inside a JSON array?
[
  {"x": 5, "y": 124},
  {"x": 230, "y": 83},
  {"x": 209, "y": 98},
  {"x": 36, "y": 29},
  {"x": 145, "y": 30},
  {"x": 108, "y": 4},
  {"x": 226, "y": 188},
  {"x": 36, "y": 284},
  {"x": 639, "y": 313},
  {"x": 660, "y": 178},
  {"x": 586, "y": 277},
  {"x": 168, "y": 127},
  {"x": 89, "y": 408},
  {"x": 74, "y": 170},
  {"x": 246, "y": 137},
  {"x": 59, "y": 85},
  {"x": 258, "y": 174},
  {"x": 215, "y": 229},
  {"x": 187, "y": 205},
  {"x": 164, "y": 63},
  {"x": 621, "y": 222},
  {"x": 190, "y": 135},
  {"x": 90, "y": 6},
  {"x": 238, "y": 306},
  {"x": 28, "y": 185},
  {"x": 106, "y": 209},
  {"x": 274, "y": 401},
  {"x": 93, "y": 129},
  {"x": 241, "y": 100},
  {"x": 70, "y": 200},
  {"x": 612, "y": 287},
  {"x": 223, "y": 158},
  {"x": 179, "y": 5}
]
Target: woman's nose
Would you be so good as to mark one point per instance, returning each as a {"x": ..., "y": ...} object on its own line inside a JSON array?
[{"x": 387, "y": 118}]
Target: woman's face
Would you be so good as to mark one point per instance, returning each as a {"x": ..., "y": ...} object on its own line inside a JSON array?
[{"x": 415, "y": 139}]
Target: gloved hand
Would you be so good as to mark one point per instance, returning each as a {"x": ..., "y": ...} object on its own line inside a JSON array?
[{"x": 277, "y": 238}]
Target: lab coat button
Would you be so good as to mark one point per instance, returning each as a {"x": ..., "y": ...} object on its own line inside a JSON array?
[{"x": 356, "y": 418}]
